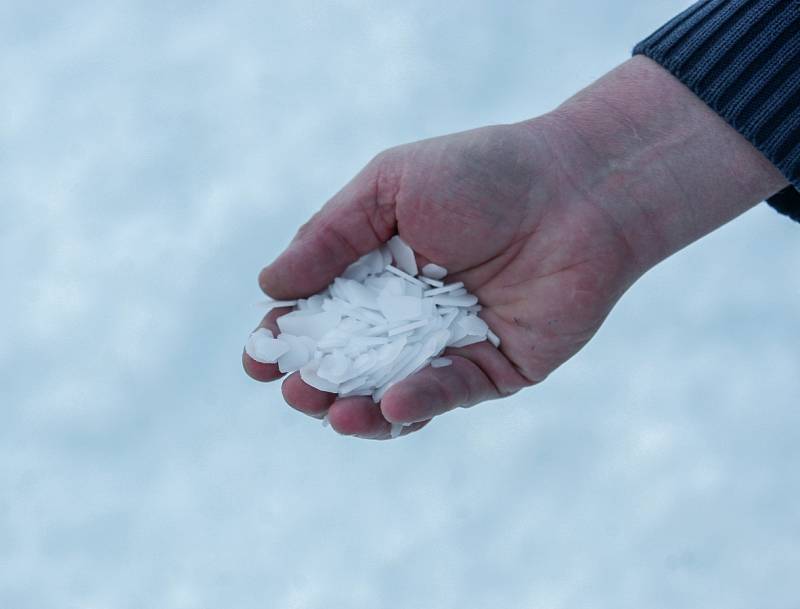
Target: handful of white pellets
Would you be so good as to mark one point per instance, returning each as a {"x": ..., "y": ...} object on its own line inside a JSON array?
[{"x": 378, "y": 323}]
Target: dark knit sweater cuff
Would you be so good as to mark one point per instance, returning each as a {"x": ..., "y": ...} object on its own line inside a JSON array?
[{"x": 742, "y": 57}]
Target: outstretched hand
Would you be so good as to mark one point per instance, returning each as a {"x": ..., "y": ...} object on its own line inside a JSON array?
[
  {"x": 522, "y": 214},
  {"x": 492, "y": 206}
]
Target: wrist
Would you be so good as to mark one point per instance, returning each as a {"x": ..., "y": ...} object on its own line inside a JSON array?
[{"x": 659, "y": 162}]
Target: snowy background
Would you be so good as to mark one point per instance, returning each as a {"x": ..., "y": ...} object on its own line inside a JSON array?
[{"x": 154, "y": 156}]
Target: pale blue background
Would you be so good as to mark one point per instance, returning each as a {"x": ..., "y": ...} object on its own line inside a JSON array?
[{"x": 153, "y": 156}]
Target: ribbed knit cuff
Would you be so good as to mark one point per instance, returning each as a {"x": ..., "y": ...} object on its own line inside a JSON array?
[{"x": 742, "y": 57}]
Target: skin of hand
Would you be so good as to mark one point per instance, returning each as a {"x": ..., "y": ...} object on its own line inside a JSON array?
[{"x": 548, "y": 221}]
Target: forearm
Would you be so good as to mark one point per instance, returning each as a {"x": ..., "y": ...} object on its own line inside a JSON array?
[{"x": 665, "y": 167}]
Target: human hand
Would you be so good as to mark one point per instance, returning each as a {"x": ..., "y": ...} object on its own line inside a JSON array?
[{"x": 547, "y": 221}]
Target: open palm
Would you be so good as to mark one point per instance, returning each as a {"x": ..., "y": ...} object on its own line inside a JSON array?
[{"x": 497, "y": 208}]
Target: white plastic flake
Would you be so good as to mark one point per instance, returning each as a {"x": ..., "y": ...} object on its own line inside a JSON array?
[
  {"x": 434, "y": 271},
  {"x": 441, "y": 362},
  {"x": 452, "y": 287},
  {"x": 313, "y": 325},
  {"x": 264, "y": 348},
  {"x": 377, "y": 324},
  {"x": 403, "y": 255},
  {"x": 277, "y": 304},
  {"x": 298, "y": 354}
]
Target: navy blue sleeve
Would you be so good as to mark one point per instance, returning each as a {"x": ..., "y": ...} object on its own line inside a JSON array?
[{"x": 742, "y": 57}]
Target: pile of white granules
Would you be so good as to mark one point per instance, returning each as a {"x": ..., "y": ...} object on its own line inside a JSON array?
[{"x": 378, "y": 323}]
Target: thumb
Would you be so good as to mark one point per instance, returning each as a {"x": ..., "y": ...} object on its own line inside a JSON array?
[{"x": 358, "y": 219}]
